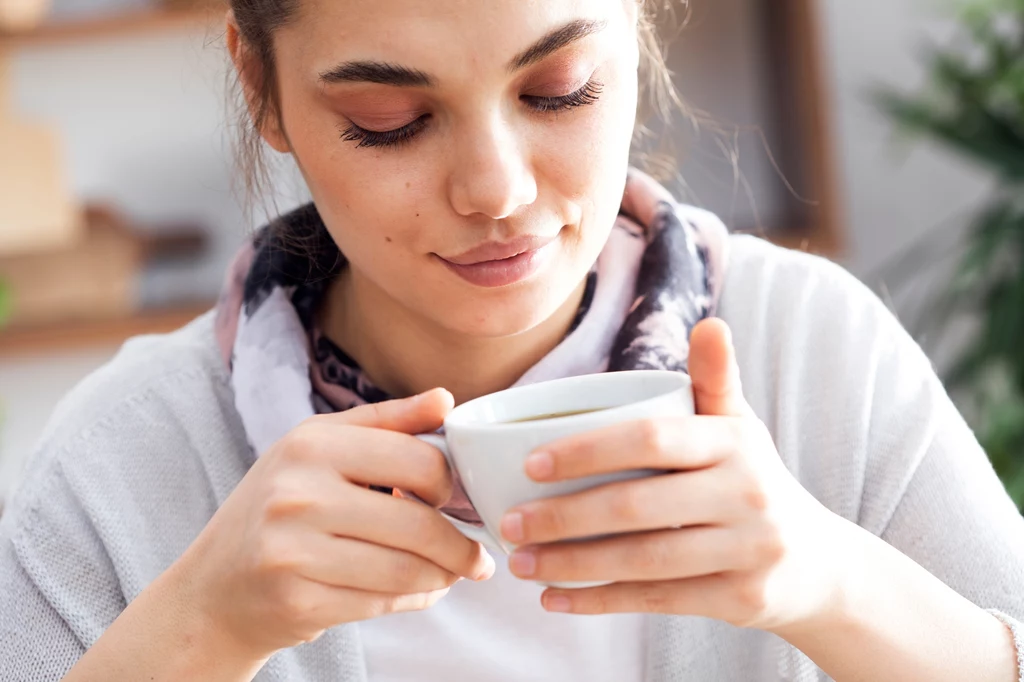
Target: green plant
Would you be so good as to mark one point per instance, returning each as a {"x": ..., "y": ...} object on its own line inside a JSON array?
[{"x": 974, "y": 104}]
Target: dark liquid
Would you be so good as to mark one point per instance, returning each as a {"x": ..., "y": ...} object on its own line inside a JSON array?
[{"x": 553, "y": 415}]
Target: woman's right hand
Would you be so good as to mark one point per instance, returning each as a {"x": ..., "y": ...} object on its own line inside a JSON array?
[{"x": 302, "y": 544}]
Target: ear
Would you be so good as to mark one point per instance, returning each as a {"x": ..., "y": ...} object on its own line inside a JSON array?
[{"x": 250, "y": 74}]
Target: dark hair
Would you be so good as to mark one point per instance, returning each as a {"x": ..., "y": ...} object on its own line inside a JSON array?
[{"x": 257, "y": 21}]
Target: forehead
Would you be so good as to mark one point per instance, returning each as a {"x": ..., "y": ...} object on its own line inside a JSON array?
[{"x": 443, "y": 37}]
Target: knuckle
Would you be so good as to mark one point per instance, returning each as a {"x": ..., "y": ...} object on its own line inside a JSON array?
[
  {"x": 284, "y": 499},
  {"x": 597, "y": 601},
  {"x": 271, "y": 553},
  {"x": 655, "y": 600},
  {"x": 404, "y": 572},
  {"x": 570, "y": 564},
  {"x": 654, "y": 435},
  {"x": 650, "y": 557},
  {"x": 422, "y": 526},
  {"x": 751, "y": 599},
  {"x": 549, "y": 520},
  {"x": 629, "y": 503},
  {"x": 428, "y": 531},
  {"x": 755, "y": 497},
  {"x": 300, "y": 444},
  {"x": 295, "y": 604},
  {"x": 768, "y": 546}
]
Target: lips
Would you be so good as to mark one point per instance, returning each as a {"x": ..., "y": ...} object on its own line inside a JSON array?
[
  {"x": 498, "y": 264},
  {"x": 496, "y": 251}
]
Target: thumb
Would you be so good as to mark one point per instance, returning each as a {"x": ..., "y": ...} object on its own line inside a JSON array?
[
  {"x": 714, "y": 371},
  {"x": 421, "y": 413}
]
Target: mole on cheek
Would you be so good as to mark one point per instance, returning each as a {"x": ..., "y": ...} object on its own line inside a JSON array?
[{"x": 388, "y": 239}]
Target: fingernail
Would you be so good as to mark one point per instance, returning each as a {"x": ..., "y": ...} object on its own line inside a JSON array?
[
  {"x": 540, "y": 466},
  {"x": 557, "y": 603},
  {"x": 512, "y": 527},
  {"x": 523, "y": 563}
]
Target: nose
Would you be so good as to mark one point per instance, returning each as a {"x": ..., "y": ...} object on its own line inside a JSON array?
[{"x": 491, "y": 173}]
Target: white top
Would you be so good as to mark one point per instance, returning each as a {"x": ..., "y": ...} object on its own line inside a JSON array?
[{"x": 497, "y": 631}]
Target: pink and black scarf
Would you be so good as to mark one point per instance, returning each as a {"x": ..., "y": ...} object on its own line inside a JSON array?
[{"x": 659, "y": 274}]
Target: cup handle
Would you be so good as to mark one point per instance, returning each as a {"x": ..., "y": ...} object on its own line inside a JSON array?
[{"x": 476, "y": 533}]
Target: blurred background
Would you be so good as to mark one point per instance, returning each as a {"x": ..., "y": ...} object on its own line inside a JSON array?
[{"x": 887, "y": 135}]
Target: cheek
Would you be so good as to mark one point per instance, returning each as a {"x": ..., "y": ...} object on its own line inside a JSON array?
[
  {"x": 586, "y": 158},
  {"x": 374, "y": 211},
  {"x": 359, "y": 192}
]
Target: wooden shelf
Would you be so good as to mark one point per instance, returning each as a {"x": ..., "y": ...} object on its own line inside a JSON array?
[
  {"x": 113, "y": 26},
  {"x": 75, "y": 335}
]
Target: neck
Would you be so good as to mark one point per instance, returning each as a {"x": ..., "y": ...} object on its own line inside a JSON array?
[{"x": 404, "y": 354}]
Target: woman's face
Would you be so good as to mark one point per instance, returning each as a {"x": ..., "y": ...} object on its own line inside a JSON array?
[{"x": 468, "y": 157}]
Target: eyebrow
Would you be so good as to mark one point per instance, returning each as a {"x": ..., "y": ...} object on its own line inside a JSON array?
[
  {"x": 555, "y": 41},
  {"x": 384, "y": 73}
]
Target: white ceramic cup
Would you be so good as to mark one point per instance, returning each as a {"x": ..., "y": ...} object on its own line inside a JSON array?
[{"x": 486, "y": 442}]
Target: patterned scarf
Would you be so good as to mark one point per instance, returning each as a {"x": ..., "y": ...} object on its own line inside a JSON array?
[{"x": 658, "y": 275}]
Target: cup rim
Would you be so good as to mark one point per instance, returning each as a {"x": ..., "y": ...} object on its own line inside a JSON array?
[{"x": 674, "y": 381}]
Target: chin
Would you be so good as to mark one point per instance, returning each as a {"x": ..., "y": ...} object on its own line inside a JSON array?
[{"x": 514, "y": 314}]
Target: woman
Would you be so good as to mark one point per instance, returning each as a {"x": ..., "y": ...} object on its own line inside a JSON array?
[{"x": 475, "y": 226}]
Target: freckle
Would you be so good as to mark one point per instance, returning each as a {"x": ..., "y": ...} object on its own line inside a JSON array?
[
  {"x": 408, "y": 185},
  {"x": 388, "y": 239},
  {"x": 417, "y": 215}
]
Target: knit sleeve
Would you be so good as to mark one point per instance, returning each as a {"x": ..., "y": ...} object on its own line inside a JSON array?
[
  {"x": 59, "y": 589},
  {"x": 36, "y": 643},
  {"x": 951, "y": 514},
  {"x": 956, "y": 520}
]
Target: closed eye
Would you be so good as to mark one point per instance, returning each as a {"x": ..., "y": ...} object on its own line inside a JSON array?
[{"x": 589, "y": 94}]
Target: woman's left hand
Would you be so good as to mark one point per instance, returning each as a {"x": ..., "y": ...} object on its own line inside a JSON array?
[{"x": 727, "y": 534}]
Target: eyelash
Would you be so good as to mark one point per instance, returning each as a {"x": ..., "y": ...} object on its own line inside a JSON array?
[{"x": 587, "y": 95}]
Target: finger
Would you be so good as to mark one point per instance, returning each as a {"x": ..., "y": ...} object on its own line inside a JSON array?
[
  {"x": 322, "y": 606},
  {"x": 711, "y": 596},
  {"x": 405, "y": 525},
  {"x": 667, "y": 443},
  {"x": 715, "y": 373},
  {"x": 638, "y": 557},
  {"x": 344, "y": 562},
  {"x": 373, "y": 457},
  {"x": 421, "y": 413},
  {"x": 668, "y": 501}
]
